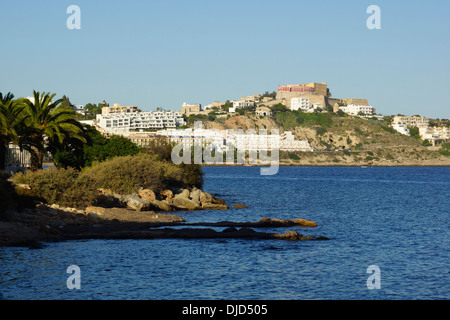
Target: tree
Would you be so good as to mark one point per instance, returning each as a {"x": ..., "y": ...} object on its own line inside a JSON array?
[
  {"x": 97, "y": 148},
  {"x": 227, "y": 105},
  {"x": 52, "y": 124},
  {"x": 414, "y": 132},
  {"x": 11, "y": 124},
  {"x": 278, "y": 108}
]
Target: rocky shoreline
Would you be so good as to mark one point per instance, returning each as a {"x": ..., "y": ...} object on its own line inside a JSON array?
[{"x": 45, "y": 223}]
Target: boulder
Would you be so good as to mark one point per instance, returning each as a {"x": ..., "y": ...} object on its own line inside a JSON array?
[
  {"x": 166, "y": 194},
  {"x": 109, "y": 199},
  {"x": 182, "y": 203},
  {"x": 95, "y": 210},
  {"x": 205, "y": 197},
  {"x": 240, "y": 206},
  {"x": 214, "y": 206},
  {"x": 289, "y": 235},
  {"x": 147, "y": 195},
  {"x": 305, "y": 223},
  {"x": 195, "y": 195},
  {"x": 161, "y": 205},
  {"x": 183, "y": 194},
  {"x": 135, "y": 202}
]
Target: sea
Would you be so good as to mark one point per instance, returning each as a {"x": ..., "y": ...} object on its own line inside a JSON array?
[{"x": 388, "y": 230}]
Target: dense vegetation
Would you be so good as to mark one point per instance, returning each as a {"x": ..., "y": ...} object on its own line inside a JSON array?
[
  {"x": 84, "y": 159},
  {"x": 36, "y": 126},
  {"x": 123, "y": 175}
]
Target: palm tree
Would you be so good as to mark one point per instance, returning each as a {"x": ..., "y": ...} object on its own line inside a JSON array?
[
  {"x": 12, "y": 120},
  {"x": 49, "y": 122}
]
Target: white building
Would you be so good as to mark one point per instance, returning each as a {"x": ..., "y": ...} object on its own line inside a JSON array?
[
  {"x": 242, "y": 103},
  {"x": 139, "y": 121},
  {"x": 434, "y": 133},
  {"x": 303, "y": 104},
  {"x": 402, "y": 128},
  {"x": 300, "y": 103},
  {"x": 411, "y": 121},
  {"x": 263, "y": 111},
  {"x": 356, "y": 109},
  {"x": 288, "y": 143},
  {"x": 79, "y": 109},
  {"x": 224, "y": 139}
]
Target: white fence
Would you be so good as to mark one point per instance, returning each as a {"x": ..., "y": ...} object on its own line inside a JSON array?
[{"x": 16, "y": 159}]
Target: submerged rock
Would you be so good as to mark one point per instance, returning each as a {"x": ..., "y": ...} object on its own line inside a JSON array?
[{"x": 214, "y": 206}]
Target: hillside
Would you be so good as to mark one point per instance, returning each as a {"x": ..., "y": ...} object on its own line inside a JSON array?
[{"x": 365, "y": 141}]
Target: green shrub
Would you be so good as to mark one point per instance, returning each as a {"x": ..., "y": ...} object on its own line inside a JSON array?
[
  {"x": 320, "y": 131},
  {"x": 61, "y": 186},
  {"x": 293, "y": 156},
  {"x": 444, "y": 152},
  {"x": 123, "y": 175}
]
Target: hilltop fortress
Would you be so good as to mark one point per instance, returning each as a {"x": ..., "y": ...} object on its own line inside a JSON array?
[{"x": 310, "y": 96}]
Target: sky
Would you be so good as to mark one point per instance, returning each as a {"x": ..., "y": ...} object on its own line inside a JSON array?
[{"x": 163, "y": 53}]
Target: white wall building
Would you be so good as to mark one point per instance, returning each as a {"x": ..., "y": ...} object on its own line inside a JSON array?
[
  {"x": 356, "y": 109},
  {"x": 288, "y": 143},
  {"x": 300, "y": 103},
  {"x": 434, "y": 133},
  {"x": 303, "y": 104},
  {"x": 223, "y": 139},
  {"x": 139, "y": 121},
  {"x": 402, "y": 128},
  {"x": 242, "y": 103}
]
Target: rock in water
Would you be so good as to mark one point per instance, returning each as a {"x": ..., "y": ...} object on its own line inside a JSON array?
[
  {"x": 305, "y": 223},
  {"x": 183, "y": 194},
  {"x": 195, "y": 195},
  {"x": 182, "y": 203},
  {"x": 214, "y": 206}
]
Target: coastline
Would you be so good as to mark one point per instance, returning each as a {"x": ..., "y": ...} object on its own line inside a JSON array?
[{"x": 33, "y": 227}]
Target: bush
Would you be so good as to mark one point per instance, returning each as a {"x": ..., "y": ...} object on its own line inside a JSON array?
[
  {"x": 320, "y": 131},
  {"x": 123, "y": 175},
  {"x": 61, "y": 186},
  {"x": 293, "y": 156}
]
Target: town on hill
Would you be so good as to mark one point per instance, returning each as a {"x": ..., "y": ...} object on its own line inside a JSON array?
[{"x": 314, "y": 127}]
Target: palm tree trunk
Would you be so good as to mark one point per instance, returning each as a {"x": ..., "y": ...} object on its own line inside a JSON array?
[{"x": 37, "y": 159}]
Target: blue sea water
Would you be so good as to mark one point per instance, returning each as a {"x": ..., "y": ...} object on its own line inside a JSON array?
[{"x": 394, "y": 218}]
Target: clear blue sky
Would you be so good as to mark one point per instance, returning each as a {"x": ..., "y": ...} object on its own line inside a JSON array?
[{"x": 162, "y": 53}]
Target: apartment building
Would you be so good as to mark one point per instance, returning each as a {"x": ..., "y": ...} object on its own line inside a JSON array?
[
  {"x": 434, "y": 133},
  {"x": 117, "y": 108},
  {"x": 357, "y": 109},
  {"x": 411, "y": 121},
  {"x": 242, "y": 103},
  {"x": 300, "y": 103},
  {"x": 139, "y": 121},
  {"x": 238, "y": 139}
]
